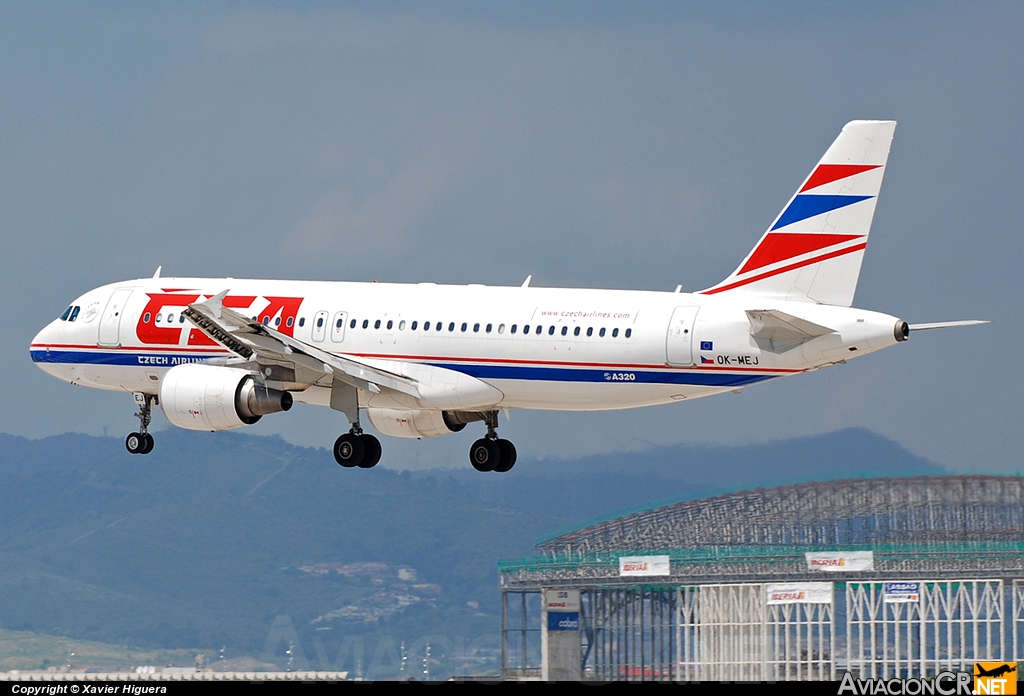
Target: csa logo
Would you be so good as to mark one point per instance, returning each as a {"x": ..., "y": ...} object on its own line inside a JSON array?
[{"x": 995, "y": 678}]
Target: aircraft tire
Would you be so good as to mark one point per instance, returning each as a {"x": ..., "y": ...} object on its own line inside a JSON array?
[
  {"x": 349, "y": 450},
  {"x": 134, "y": 442},
  {"x": 507, "y": 456},
  {"x": 484, "y": 455},
  {"x": 148, "y": 445},
  {"x": 371, "y": 451}
]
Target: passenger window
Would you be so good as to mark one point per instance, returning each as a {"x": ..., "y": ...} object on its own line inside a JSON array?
[
  {"x": 426, "y": 326},
  {"x": 351, "y": 324},
  {"x": 451, "y": 326},
  {"x": 590, "y": 330},
  {"x": 488, "y": 329},
  {"x": 67, "y": 313},
  {"x": 539, "y": 329},
  {"x": 437, "y": 326},
  {"x": 476, "y": 328},
  {"x": 376, "y": 324},
  {"x": 338, "y": 324},
  {"x": 291, "y": 320},
  {"x": 158, "y": 317},
  {"x": 74, "y": 313},
  {"x": 145, "y": 317},
  {"x": 463, "y": 326},
  {"x": 526, "y": 330},
  {"x": 401, "y": 325},
  {"x": 501, "y": 328},
  {"x": 366, "y": 323},
  {"x": 551, "y": 331},
  {"x": 602, "y": 332},
  {"x": 302, "y": 322},
  {"x": 615, "y": 333},
  {"x": 170, "y": 317},
  {"x": 576, "y": 331},
  {"x": 565, "y": 330},
  {"x": 390, "y": 324},
  {"x": 181, "y": 319},
  {"x": 266, "y": 320},
  {"x": 319, "y": 322},
  {"x": 277, "y": 321},
  {"x": 414, "y": 325},
  {"x": 513, "y": 328},
  {"x": 629, "y": 332}
]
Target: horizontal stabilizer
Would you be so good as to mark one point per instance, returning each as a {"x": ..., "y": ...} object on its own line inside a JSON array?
[
  {"x": 947, "y": 324},
  {"x": 779, "y": 332}
]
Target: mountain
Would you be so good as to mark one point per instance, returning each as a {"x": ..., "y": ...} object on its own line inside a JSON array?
[{"x": 226, "y": 539}]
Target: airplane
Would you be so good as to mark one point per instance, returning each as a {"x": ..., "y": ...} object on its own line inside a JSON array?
[
  {"x": 1004, "y": 668},
  {"x": 424, "y": 360}
]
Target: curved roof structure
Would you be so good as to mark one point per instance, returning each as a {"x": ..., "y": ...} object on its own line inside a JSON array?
[
  {"x": 921, "y": 510},
  {"x": 922, "y": 527}
]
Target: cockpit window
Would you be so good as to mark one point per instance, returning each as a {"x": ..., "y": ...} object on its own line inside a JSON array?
[
  {"x": 74, "y": 313},
  {"x": 66, "y": 314}
]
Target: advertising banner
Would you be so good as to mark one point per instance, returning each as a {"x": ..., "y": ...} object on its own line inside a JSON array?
[
  {"x": 841, "y": 561},
  {"x": 799, "y": 593},
  {"x": 634, "y": 566},
  {"x": 561, "y": 600},
  {"x": 563, "y": 621},
  {"x": 899, "y": 592}
]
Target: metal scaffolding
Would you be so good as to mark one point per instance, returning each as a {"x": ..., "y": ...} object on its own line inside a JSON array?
[
  {"x": 920, "y": 510},
  {"x": 958, "y": 541}
]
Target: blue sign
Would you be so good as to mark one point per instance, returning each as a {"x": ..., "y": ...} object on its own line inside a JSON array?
[
  {"x": 707, "y": 345},
  {"x": 563, "y": 621}
]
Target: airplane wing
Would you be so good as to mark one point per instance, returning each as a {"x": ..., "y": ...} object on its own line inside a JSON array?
[{"x": 254, "y": 341}]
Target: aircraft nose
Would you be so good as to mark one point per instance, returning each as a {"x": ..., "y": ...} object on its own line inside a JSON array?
[{"x": 40, "y": 343}]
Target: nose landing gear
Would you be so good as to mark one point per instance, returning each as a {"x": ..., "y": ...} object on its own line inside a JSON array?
[
  {"x": 490, "y": 453},
  {"x": 142, "y": 442}
]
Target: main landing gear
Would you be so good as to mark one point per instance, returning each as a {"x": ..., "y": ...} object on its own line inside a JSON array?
[
  {"x": 490, "y": 453},
  {"x": 142, "y": 442},
  {"x": 356, "y": 448}
]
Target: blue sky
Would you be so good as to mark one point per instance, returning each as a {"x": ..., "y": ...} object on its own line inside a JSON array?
[{"x": 593, "y": 144}]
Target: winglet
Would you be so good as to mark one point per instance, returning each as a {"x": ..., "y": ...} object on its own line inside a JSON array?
[
  {"x": 158, "y": 269},
  {"x": 526, "y": 283},
  {"x": 216, "y": 303}
]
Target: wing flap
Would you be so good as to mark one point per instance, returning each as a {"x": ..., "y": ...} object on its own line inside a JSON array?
[{"x": 250, "y": 338}]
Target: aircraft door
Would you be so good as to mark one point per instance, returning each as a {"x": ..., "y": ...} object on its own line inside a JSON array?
[
  {"x": 679, "y": 342},
  {"x": 110, "y": 322},
  {"x": 338, "y": 327},
  {"x": 320, "y": 326}
]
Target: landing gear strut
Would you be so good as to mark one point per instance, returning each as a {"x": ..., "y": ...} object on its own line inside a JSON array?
[
  {"x": 142, "y": 442},
  {"x": 356, "y": 448},
  {"x": 490, "y": 453}
]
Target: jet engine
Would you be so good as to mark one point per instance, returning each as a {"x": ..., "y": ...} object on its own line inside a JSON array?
[
  {"x": 208, "y": 397},
  {"x": 419, "y": 423}
]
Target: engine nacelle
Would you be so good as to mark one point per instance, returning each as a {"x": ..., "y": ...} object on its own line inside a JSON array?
[
  {"x": 419, "y": 423},
  {"x": 209, "y": 397}
]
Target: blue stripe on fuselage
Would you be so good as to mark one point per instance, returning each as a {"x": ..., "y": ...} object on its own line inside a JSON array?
[
  {"x": 81, "y": 357},
  {"x": 609, "y": 375},
  {"x": 485, "y": 371}
]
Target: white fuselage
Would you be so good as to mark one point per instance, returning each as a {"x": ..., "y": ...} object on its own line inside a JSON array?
[{"x": 542, "y": 348}]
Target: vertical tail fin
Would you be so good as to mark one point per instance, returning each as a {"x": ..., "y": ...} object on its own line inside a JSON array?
[{"x": 813, "y": 250}]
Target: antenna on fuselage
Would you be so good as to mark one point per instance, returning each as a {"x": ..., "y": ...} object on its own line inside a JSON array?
[
  {"x": 526, "y": 283},
  {"x": 679, "y": 288},
  {"x": 158, "y": 269}
]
